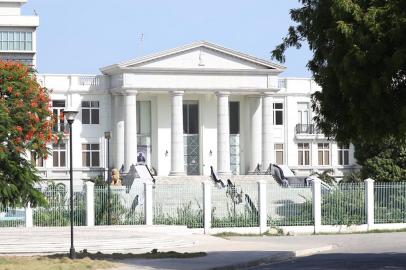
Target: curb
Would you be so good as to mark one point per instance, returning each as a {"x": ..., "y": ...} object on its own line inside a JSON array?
[{"x": 283, "y": 256}]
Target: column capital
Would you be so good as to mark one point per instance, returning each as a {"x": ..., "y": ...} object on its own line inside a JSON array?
[
  {"x": 177, "y": 93},
  {"x": 222, "y": 93},
  {"x": 124, "y": 92},
  {"x": 254, "y": 96},
  {"x": 130, "y": 92},
  {"x": 267, "y": 93}
]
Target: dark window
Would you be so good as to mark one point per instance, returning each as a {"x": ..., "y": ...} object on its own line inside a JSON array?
[
  {"x": 90, "y": 112},
  {"x": 234, "y": 117},
  {"x": 90, "y": 155},
  {"x": 278, "y": 113},
  {"x": 59, "y": 155},
  {"x": 190, "y": 118}
]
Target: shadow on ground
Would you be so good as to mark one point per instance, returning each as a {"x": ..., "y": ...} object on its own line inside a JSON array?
[
  {"x": 213, "y": 260},
  {"x": 341, "y": 261}
]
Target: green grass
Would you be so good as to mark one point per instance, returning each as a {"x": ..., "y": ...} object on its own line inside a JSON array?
[
  {"x": 371, "y": 231},
  {"x": 233, "y": 234},
  {"x": 84, "y": 260},
  {"x": 154, "y": 254},
  {"x": 45, "y": 263}
]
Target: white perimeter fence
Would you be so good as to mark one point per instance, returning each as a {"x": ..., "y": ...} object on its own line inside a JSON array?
[{"x": 245, "y": 205}]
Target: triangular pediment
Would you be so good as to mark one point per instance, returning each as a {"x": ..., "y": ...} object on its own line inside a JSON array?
[{"x": 199, "y": 55}]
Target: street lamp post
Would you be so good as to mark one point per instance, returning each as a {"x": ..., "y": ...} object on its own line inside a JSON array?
[
  {"x": 107, "y": 135},
  {"x": 70, "y": 117}
]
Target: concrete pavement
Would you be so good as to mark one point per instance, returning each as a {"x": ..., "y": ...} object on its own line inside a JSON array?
[{"x": 222, "y": 253}]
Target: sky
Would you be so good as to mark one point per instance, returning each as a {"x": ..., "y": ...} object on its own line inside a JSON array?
[{"x": 81, "y": 36}]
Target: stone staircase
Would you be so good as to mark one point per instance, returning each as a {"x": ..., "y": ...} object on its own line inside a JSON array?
[{"x": 201, "y": 178}]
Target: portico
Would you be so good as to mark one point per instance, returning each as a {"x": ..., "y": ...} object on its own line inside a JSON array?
[{"x": 190, "y": 90}]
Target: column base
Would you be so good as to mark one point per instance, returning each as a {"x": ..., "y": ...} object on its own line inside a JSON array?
[
  {"x": 224, "y": 174},
  {"x": 177, "y": 174}
]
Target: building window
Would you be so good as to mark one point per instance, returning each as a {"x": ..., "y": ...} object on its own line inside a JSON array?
[
  {"x": 234, "y": 115},
  {"x": 58, "y": 106},
  {"x": 323, "y": 153},
  {"x": 190, "y": 117},
  {"x": 343, "y": 154},
  {"x": 59, "y": 155},
  {"x": 23, "y": 58},
  {"x": 15, "y": 41},
  {"x": 90, "y": 155},
  {"x": 278, "y": 113},
  {"x": 303, "y": 153},
  {"x": 90, "y": 112},
  {"x": 144, "y": 117},
  {"x": 37, "y": 161},
  {"x": 279, "y": 153}
]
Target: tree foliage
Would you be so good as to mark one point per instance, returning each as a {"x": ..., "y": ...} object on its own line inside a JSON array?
[
  {"x": 359, "y": 60},
  {"x": 384, "y": 161},
  {"x": 25, "y": 127}
]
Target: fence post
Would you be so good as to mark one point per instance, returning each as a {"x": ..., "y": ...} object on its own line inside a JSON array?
[
  {"x": 262, "y": 206},
  {"x": 206, "y": 206},
  {"x": 369, "y": 202},
  {"x": 148, "y": 203},
  {"x": 89, "y": 203},
  {"x": 28, "y": 216},
  {"x": 316, "y": 190}
]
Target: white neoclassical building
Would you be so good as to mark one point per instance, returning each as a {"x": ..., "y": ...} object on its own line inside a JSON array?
[{"x": 185, "y": 109}]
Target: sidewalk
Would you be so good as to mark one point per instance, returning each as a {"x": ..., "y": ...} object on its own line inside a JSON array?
[{"x": 222, "y": 253}]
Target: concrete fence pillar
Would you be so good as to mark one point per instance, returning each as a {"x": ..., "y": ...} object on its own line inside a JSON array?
[
  {"x": 148, "y": 203},
  {"x": 90, "y": 203},
  {"x": 207, "y": 206},
  {"x": 369, "y": 202},
  {"x": 262, "y": 206},
  {"x": 29, "y": 216},
  {"x": 316, "y": 190}
]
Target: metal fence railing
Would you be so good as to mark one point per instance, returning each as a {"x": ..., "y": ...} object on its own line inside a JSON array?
[
  {"x": 289, "y": 206},
  {"x": 178, "y": 204},
  {"x": 235, "y": 206},
  {"x": 57, "y": 212},
  {"x": 231, "y": 206},
  {"x": 126, "y": 205},
  {"x": 12, "y": 217},
  {"x": 390, "y": 202},
  {"x": 344, "y": 205}
]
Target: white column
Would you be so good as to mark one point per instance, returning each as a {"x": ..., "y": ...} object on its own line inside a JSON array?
[
  {"x": 119, "y": 131},
  {"x": 177, "y": 147},
  {"x": 89, "y": 203},
  {"x": 223, "y": 134},
  {"x": 262, "y": 206},
  {"x": 207, "y": 206},
  {"x": 29, "y": 216},
  {"x": 149, "y": 214},
  {"x": 369, "y": 202},
  {"x": 256, "y": 131},
  {"x": 316, "y": 189},
  {"x": 267, "y": 119},
  {"x": 130, "y": 130}
]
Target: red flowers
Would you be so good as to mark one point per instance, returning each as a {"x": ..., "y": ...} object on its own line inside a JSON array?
[{"x": 19, "y": 129}]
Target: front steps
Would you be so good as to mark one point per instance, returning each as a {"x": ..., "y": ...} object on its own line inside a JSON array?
[{"x": 202, "y": 178}]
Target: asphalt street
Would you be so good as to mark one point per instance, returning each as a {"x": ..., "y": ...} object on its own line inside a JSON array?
[{"x": 355, "y": 251}]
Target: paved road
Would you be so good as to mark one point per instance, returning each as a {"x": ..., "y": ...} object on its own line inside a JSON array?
[{"x": 356, "y": 251}]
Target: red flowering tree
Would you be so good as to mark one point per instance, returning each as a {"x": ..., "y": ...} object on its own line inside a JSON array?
[{"x": 25, "y": 127}]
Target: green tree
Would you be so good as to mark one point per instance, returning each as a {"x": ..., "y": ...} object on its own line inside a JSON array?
[
  {"x": 359, "y": 60},
  {"x": 25, "y": 127},
  {"x": 384, "y": 161}
]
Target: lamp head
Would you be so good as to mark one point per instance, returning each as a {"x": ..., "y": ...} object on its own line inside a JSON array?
[
  {"x": 107, "y": 135},
  {"x": 70, "y": 114}
]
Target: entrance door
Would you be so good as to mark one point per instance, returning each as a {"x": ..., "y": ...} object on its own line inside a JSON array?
[{"x": 191, "y": 137}]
